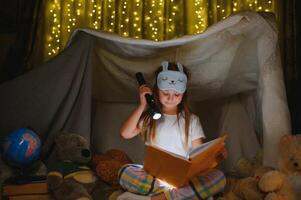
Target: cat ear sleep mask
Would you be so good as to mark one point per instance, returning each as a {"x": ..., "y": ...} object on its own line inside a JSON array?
[{"x": 172, "y": 80}]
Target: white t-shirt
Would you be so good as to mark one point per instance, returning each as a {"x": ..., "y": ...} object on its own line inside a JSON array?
[{"x": 170, "y": 135}]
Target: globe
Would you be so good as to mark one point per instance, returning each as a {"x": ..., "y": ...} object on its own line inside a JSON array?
[{"x": 21, "y": 148}]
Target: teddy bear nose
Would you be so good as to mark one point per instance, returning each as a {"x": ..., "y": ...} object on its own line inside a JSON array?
[
  {"x": 296, "y": 164},
  {"x": 86, "y": 152}
]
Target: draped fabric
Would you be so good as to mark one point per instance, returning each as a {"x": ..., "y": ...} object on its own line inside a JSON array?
[
  {"x": 236, "y": 86},
  {"x": 53, "y": 97}
]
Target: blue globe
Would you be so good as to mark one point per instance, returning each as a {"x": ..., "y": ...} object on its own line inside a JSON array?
[{"x": 21, "y": 148}]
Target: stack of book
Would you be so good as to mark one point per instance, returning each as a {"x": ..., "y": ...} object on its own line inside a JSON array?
[{"x": 29, "y": 188}]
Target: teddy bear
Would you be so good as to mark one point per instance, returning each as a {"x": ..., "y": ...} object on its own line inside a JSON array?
[
  {"x": 71, "y": 178},
  {"x": 241, "y": 189},
  {"x": 252, "y": 167},
  {"x": 244, "y": 185},
  {"x": 285, "y": 183},
  {"x": 108, "y": 164}
]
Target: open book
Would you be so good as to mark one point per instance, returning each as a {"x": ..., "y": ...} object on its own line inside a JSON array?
[{"x": 177, "y": 170}]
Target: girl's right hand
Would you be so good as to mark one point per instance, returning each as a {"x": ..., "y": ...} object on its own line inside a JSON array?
[{"x": 144, "y": 89}]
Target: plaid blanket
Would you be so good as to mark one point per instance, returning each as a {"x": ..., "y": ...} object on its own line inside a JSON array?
[{"x": 134, "y": 179}]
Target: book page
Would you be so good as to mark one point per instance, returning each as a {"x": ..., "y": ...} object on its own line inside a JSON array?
[
  {"x": 201, "y": 148},
  {"x": 204, "y": 156}
]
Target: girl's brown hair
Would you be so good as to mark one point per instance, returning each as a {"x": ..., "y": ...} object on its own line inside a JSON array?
[{"x": 149, "y": 124}]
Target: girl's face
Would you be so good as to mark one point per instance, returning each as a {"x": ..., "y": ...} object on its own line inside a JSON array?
[{"x": 170, "y": 98}]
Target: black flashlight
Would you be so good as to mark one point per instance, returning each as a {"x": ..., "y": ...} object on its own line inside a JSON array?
[{"x": 153, "y": 109}]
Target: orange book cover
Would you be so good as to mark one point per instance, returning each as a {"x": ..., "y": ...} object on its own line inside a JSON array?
[
  {"x": 177, "y": 170},
  {"x": 28, "y": 188}
]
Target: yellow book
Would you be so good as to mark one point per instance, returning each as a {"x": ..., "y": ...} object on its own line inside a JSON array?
[{"x": 177, "y": 170}]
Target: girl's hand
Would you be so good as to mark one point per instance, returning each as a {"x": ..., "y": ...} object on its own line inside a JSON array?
[
  {"x": 144, "y": 89},
  {"x": 223, "y": 154}
]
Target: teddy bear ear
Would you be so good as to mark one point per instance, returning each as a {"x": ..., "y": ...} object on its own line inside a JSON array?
[
  {"x": 61, "y": 138},
  {"x": 285, "y": 139}
]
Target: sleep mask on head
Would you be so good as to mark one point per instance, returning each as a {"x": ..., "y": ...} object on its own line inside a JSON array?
[{"x": 172, "y": 80}]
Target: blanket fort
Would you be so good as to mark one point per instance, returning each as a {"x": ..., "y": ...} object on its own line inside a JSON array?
[{"x": 236, "y": 86}]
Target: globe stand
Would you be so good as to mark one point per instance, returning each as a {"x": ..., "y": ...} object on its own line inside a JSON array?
[{"x": 26, "y": 174}]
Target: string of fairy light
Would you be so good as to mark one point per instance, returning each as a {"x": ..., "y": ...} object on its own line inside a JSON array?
[
  {"x": 155, "y": 20},
  {"x": 201, "y": 19}
]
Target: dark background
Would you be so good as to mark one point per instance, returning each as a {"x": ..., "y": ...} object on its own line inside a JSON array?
[{"x": 18, "y": 28}]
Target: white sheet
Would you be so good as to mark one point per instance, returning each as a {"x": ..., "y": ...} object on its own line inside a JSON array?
[{"x": 235, "y": 62}]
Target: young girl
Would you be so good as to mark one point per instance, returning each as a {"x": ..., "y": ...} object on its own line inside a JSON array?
[{"x": 177, "y": 131}]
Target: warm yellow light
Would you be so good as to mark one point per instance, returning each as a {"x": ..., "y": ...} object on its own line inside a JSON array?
[
  {"x": 169, "y": 186},
  {"x": 159, "y": 19}
]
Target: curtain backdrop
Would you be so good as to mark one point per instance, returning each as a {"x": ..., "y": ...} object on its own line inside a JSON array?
[
  {"x": 289, "y": 20},
  {"x": 148, "y": 19},
  {"x": 17, "y": 33}
]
